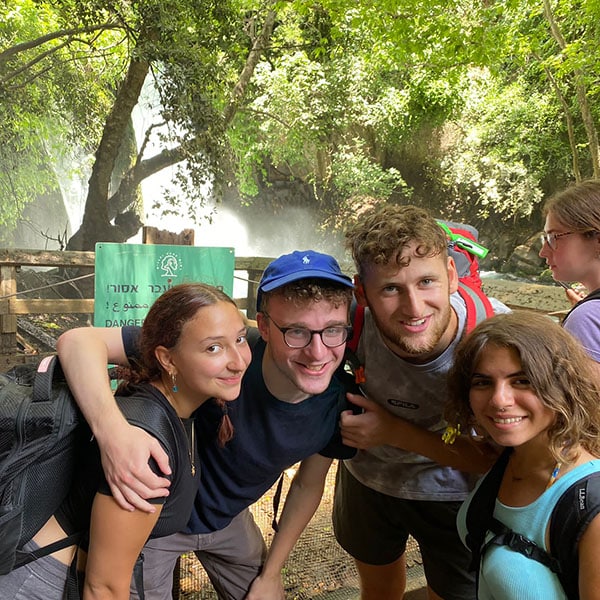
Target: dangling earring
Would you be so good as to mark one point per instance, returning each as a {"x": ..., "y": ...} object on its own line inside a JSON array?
[{"x": 174, "y": 382}]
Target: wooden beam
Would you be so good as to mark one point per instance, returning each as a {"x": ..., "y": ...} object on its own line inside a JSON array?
[
  {"x": 46, "y": 258},
  {"x": 35, "y": 306}
]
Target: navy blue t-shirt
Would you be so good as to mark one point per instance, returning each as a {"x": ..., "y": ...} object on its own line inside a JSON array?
[{"x": 269, "y": 436}]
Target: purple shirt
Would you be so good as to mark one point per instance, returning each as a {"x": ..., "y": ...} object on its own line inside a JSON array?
[{"x": 584, "y": 324}]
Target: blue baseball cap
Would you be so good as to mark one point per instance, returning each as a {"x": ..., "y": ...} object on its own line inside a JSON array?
[{"x": 300, "y": 265}]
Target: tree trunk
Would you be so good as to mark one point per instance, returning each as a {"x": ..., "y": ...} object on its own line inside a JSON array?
[
  {"x": 99, "y": 207},
  {"x": 581, "y": 91},
  {"x": 568, "y": 119},
  {"x": 96, "y": 223}
]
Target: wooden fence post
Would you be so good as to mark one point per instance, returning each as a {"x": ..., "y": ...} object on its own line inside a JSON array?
[{"x": 8, "y": 322}]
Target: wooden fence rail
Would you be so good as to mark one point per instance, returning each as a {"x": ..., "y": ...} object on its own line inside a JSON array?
[{"x": 11, "y": 305}]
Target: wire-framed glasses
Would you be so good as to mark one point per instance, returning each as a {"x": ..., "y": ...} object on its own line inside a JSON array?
[
  {"x": 551, "y": 238},
  {"x": 300, "y": 337}
]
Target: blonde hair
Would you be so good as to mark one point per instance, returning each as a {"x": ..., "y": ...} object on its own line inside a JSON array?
[{"x": 381, "y": 234}]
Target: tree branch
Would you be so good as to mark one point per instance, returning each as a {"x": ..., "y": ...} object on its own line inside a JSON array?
[
  {"x": 258, "y": 47},
  {"x": 581, "y": 92},
  {"x": 17, "y": 48},
  {"x": 166, "y": 158}
]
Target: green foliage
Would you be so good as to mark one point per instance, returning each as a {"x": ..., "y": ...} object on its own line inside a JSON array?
[
  {"x": 465, "y": 102},
  {"x": 354, "y": 174},
  {"x": 497, "y": 153},
  {"x": 54, "y": 95},
  {"x": 329, "y": 111}
]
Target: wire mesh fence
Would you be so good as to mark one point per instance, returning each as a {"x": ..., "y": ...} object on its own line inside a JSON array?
[{"x": 317, "y": 569}]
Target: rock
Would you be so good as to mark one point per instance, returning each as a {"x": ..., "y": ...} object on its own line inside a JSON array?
[{"x": 525, "y": 260}]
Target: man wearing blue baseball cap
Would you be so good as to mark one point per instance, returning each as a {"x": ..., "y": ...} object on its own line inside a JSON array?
[{"x": 288, "y": 411}]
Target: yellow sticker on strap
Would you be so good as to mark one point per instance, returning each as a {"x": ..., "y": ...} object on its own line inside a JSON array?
[{"x": 449, "y": 436}]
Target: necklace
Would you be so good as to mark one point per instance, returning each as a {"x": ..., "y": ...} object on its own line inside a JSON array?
[
  {"x": 554, "y": 474},
  {"x": 191, "y": 441},
  {"x": 191, "y": 444}
]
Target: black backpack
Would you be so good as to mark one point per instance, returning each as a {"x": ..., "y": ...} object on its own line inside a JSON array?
[
  {"x": 42, "y": 436},
  {"x": 573, "y": 512}
]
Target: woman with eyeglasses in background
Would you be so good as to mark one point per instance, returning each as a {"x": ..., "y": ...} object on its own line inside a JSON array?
[{"x": 571, "y": 247}]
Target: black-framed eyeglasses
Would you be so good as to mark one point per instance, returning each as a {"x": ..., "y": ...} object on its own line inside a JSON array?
[{"x": 300, "y": 337}]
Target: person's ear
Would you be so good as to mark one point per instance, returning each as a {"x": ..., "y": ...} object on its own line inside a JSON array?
[
  {"x": 164, "y": 357},
  {"x": 263, "y": 327},
  {"x": 596, "y": 238},
  {"x": 359, "y": 291},
  {"x": 452, "y": 275}
]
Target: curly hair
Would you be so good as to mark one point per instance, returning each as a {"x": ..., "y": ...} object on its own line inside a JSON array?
[
  {"x": 577, "y": 207},
  {"x": 561, "y": 374},
  {"x": 381, "y": 234},
  {"x": 305, "y": 291},
  {"x": 163, "y": 326}
]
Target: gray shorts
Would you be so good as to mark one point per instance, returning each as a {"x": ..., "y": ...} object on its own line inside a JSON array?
[
  {"x": 43, "y": 579},
  {"x": 232, "y": 558},
  {"x": 374, "y": 528}
]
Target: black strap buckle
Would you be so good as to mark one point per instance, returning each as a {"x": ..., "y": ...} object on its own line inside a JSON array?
[{"x": 520, "y": 543}]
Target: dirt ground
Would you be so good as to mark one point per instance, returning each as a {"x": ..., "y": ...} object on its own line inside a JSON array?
[
  {"x": 531, "y": 296},
  {"x": 317, "y": 569}
]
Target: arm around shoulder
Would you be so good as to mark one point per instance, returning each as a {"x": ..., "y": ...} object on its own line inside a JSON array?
[{"x": 84, "y": 355}]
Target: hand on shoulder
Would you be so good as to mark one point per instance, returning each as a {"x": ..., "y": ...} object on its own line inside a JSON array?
[{"x": 125, "y": 455}]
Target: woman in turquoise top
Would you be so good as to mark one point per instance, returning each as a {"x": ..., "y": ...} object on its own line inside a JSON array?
[{"x": 525, "y": 383}]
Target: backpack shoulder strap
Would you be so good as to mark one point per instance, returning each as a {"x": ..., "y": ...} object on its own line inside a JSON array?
[
  {"x": 481, "y": 508},
  {"x": 48, "y": 371},
  {"x": 357, "y": 319},
  {"x": 478, "y": 305},
  {"x": 351, "y": 372},
  {"x": 150, "y": 416},
  {"x": 595, "y": 295},
  {"x": 573, "y": 512},
  {"x": 504, "y": 536}
]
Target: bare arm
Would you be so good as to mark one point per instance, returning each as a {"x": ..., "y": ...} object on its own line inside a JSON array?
[
  {"x": 589, "y": 562},
  {"x": 117, "y": 537},
  {"x": 377, "y": 426},
  {"x": 301, "y": 503},
  {"x": 84, "y": 354}
]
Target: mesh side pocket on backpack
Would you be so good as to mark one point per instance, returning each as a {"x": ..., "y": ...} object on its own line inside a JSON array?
[{"x": 11, "y": 525}]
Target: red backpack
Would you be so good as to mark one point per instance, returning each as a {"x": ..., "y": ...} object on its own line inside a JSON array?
[{"x": 464, "y": 248}]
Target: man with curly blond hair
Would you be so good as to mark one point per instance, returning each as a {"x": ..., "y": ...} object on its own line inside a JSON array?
[{"x": 404, "y": 479}]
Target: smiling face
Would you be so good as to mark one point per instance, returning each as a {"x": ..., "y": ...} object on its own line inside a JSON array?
[
  {"x": 211, "y": 355},
  {"x": 504, "y": 402},
  {"x": 293, "y": 374},
  {"x": 411, "y": 304},
  {"x": 575, "y": 257}
]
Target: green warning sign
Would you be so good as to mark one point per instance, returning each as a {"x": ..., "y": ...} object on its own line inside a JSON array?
[{"x": 129, "y": 277}]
